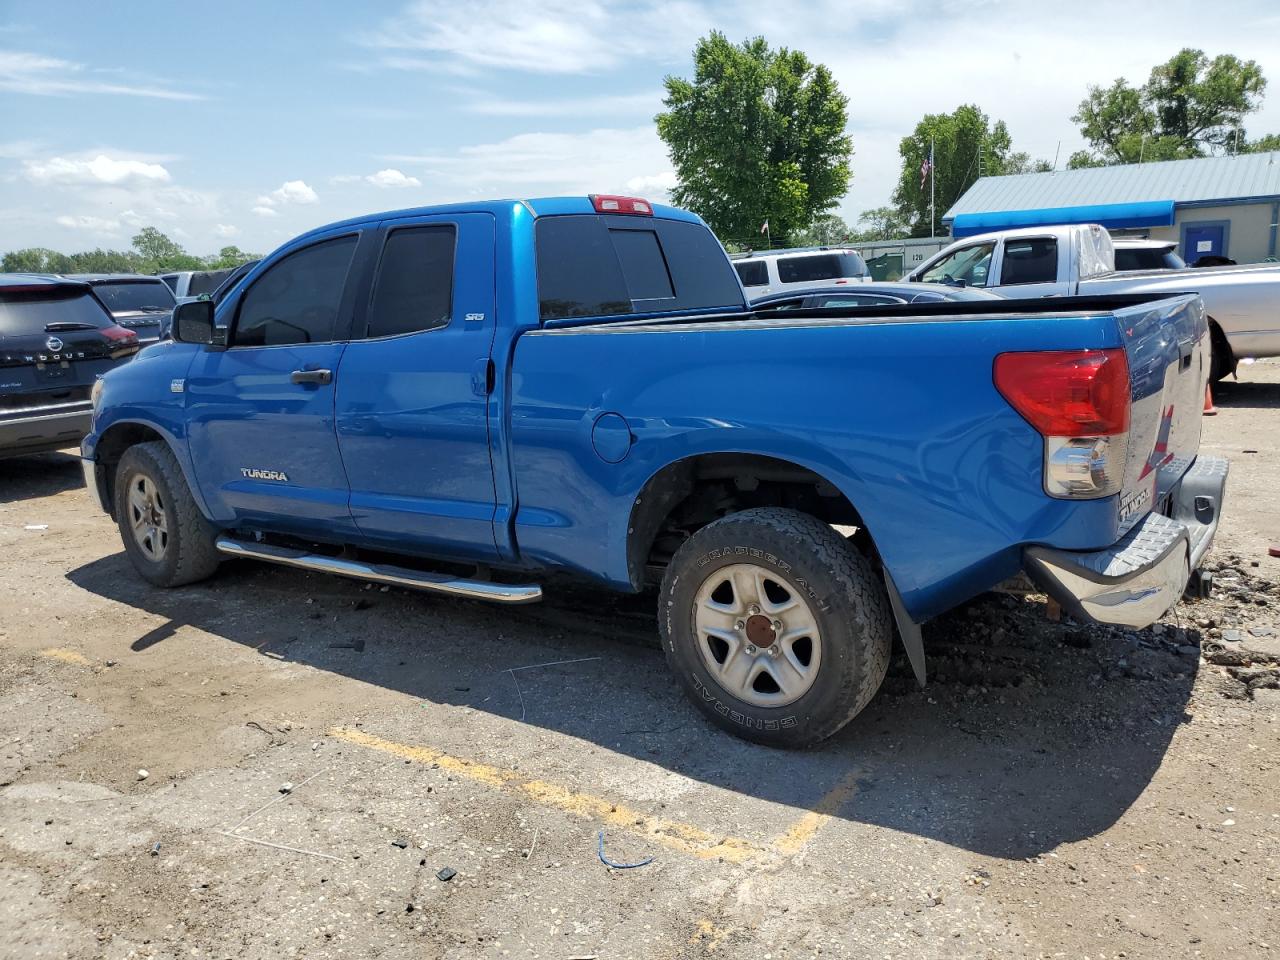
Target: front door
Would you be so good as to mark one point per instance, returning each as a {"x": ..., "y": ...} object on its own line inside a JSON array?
[
  {"x": 1204, "y": 240},
  {"x": 413, "y": 391},
  {"x": 260, "y": 412}
]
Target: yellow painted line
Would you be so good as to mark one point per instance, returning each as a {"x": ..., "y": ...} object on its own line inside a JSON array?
[
  {"x": 668, "y": 833},
  {"x": 66, "y": 656},
  {"x": 804, "y": 829}
]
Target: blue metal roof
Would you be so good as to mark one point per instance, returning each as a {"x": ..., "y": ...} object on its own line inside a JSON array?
[
  {"x": 1200, "y": 180},
  {"x": 1153, "y": 213}
]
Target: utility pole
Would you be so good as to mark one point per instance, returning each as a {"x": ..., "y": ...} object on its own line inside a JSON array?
[{"x": 933, "y": 183}]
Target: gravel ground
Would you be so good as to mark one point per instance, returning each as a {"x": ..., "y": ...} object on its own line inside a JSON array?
[{"x": 282, "y": 765}]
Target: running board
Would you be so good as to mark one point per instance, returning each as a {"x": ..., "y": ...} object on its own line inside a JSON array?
[{"x": 383, "y": 573}]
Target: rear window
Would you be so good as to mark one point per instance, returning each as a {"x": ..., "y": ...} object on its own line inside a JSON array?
[
  {"x": 24, "y": 314},
  {"x": 127, "y": 296},
  {"x": 1147, "y": 258},
  {"x": 753, "y": 273},
  {"x": 821, "y": 266},
  {"x": 1030, "y": 261},
  {"x": 206, "y": 281},
  {"x": 599, "y": 266}
]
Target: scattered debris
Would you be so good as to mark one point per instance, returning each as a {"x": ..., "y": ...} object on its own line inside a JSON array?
[
  {"x": 286, "y": 787},
  {"x": 143, "y": 774},
  {"x": 613, "y": 863},
  {"x": 155, "y": 849},
  {"x": 278, "y": 846},
  {"x": 111, "y": 663},
  {"x": 528, "y": 854},
  {"x": 36, "y": 526},
  {"x": 400, "y": 843},
  {"x": 537, "y": 666},
  {"x": 446, "y": 874}
]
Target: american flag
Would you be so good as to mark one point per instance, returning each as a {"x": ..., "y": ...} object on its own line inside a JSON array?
[{"x": 926, "y": 168}]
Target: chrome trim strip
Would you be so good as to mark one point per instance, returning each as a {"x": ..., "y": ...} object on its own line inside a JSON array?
[{"x": 383, "y": 573}]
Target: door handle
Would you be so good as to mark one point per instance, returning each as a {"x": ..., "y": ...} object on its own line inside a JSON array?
[{"x": 311, "y": 376}]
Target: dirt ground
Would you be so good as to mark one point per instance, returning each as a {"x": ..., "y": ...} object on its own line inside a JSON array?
[{"x": 316, "y": 753}]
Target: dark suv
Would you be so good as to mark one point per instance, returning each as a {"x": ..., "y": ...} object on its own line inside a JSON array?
[
  {"x": 140, "y": 304},
  {"x": 56, "y": 339}
]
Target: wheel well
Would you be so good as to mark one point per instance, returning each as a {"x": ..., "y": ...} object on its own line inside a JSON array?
[
  {"x": 111, "y": 448},
  {"x": 688, "y": 494}
]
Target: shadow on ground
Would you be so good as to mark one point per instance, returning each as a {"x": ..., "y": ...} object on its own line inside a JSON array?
[
  {"x": 39, "y": 475},
  {"x": 1246, "y": 393},
  {"x": 1031, "y": 735}
]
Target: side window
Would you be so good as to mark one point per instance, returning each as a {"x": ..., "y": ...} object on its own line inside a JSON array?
[
  {"x": 1030, "y": 261},
  {"x": 968, "y": 266},
  {"x": 414, "y": 287},
  {"x": 297, "y": 299},
  {"x": 753, "y": 273},
  {"x": 858, "y": 300}
]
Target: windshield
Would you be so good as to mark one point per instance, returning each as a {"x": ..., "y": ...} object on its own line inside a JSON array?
[
  {"x": 968, "y": 265},
  {"x": 821, "y": 266},
  {"x": 134, "y": 296}
]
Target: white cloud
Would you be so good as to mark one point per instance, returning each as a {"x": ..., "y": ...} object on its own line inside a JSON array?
[
  {"x": 34, "y": 73},
  {"x": 535, "y": 164},
  {"x": 392, "y": 178},
  {"x": 658, "y": 183},
  {"x": 291, "y": 191},
  {"x": 225, "y": 230},
  {"x": 93, "y": 170},
  {"x": 605, "y": 105},
  {"x": 89, "y": 224},
  {"x": 265, "y": 211},
  {"x": 538, "y": 36}
]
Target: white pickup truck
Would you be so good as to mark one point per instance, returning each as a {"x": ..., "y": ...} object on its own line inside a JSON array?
[{"x": 1242, "y": 302}]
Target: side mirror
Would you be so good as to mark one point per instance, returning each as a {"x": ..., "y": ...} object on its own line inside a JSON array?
[{"x": 193, "y": 322}]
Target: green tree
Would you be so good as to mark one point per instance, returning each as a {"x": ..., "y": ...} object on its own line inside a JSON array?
[
  {"x": 1190, "y": 106},
  {"x": 229, "y": 257},
  {"x": 880, "y": 223},
  {"x": 826, "y": 230},
  {"x": 758, "y": 135},
  {"x": 965, "y": 145},
  {"x": 1263, "y": 144},
  {"x": 158, "y": 254},
  {"x": 35, "y": 260}
]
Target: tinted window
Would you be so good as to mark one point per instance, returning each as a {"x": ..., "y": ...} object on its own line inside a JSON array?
[
  {"x": 820, "y": 266},
  {"x": 753, "y": 273},
  {"x": 206, "y": 281},
  {"x": 593, "y": 266},
  {"x": 171, "y": 281},
  {"x": 968, "y": 265},
  {"x": 1147, "y": 258},
  {"x": 856, "y": 300},
  {"x": 414, "y": 287},
  {"x": 24, "y": 314},
  {"x": 131, "y": 297},
  {"x": 297, "y": 299},
  {"x": 1030, "y": 261}
]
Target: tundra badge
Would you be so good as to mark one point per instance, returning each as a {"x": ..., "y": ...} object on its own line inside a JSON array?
[{"x": 253, "y": 473}]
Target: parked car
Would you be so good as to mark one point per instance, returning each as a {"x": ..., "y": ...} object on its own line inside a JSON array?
[
  {"x": 1080, "y": 259},
  {"x": 225, "y": 287},
  {"x": 777, "y": 270},
  {"x": 56, "y": 339},
  {"x": 1135, "y": 253},
  {"x": 593, "y": 397},
  {"x": 868, "y": 295},
  {"x": 189, "y": 284},
  {"x": 137, "y": 303}
]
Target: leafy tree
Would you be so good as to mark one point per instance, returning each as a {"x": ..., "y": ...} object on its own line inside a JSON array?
[
  {"x": 159, "y": 254},
  {"x": 758, "y": 135},
  {"x": 152, "y": 252},
  {"x": 881, "y": 223},
  {"x": 229, "y": 257},
  {"x": 1190, "y": 106},
  {"x": 1263, "y": 144},
  {"x": 34, "y": 260},
  {"x": 965, "y": 144},
  {"x": 826, "y": 230},
  {"x": 1021, "y": 162}
]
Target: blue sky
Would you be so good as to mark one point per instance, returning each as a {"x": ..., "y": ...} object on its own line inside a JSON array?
[{"x": 270, "y": 118}]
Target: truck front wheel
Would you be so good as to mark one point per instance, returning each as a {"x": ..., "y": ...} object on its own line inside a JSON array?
[
  {"x": 167, "y": 538},
  {"x": 776, "y": 626}
]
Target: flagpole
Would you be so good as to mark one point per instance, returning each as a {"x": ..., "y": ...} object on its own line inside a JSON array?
[
  {"x": 768, "y": 236},
  {"x": 933, "y": 179}
]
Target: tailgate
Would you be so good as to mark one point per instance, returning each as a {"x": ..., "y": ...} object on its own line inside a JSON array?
[{"x": 1167, "y": 344}]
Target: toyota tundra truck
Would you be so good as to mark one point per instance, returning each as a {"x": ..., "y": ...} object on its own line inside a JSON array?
[{"x": 468, "y": 399}]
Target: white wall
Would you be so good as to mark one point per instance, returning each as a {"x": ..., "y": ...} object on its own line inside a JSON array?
[{"x": 1249, "y": 236}]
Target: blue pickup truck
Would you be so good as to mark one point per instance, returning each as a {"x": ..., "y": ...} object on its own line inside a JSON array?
[{"x": 467, "y": 399}]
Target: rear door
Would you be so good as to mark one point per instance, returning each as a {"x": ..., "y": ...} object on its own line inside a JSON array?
[
  {"x": 1033, "y": 267},
  {"x": 414, "y": 386},
  {"x": 260, "y": 412}
]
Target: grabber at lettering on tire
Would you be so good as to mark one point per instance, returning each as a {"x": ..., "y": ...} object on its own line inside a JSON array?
[{"x": 776, "y": 626}]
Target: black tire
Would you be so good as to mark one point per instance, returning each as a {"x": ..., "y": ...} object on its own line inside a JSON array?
[
  {"x": 188, "y": 552},
  {"x": 846, "y": 599},
  {"x": 1221, "y": 362}
]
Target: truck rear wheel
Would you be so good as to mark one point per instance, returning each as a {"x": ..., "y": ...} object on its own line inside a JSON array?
[
  {"x": 167, "y": 538},
  {"x": 776, "y": 626}
]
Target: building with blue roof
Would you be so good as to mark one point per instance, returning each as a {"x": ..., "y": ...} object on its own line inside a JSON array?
[{"x": 1210, "y": 206}]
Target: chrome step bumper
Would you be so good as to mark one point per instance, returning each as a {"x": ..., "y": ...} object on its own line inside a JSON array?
[
  {"x": 383, "y": 573},
  {"x": 1135, "y": 581}
]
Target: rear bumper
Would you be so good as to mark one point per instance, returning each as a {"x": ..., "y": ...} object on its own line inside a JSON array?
[
  {"x": 1135, "y": 581},
  {"x": 44, "y": 428}
]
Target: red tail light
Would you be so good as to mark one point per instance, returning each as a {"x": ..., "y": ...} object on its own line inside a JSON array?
[
  {"x": 1068, "y": 393},
  {"x": 119, "y": 333},
  {"x": 608, "y": 203}
]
